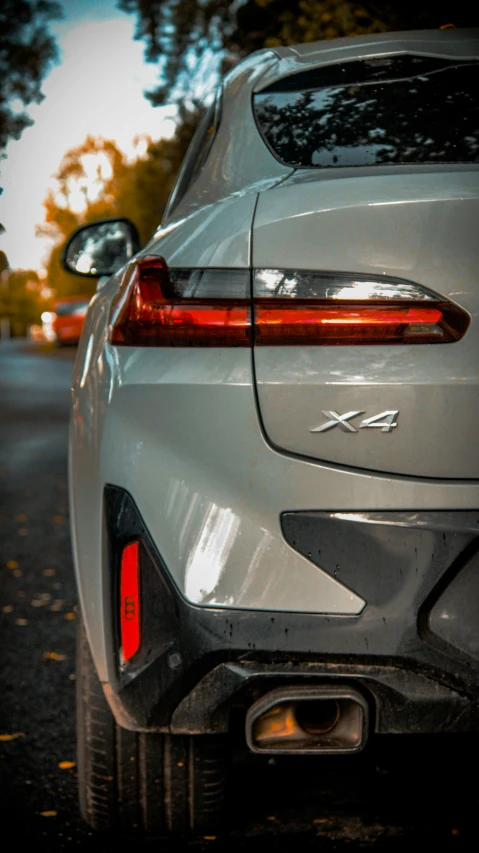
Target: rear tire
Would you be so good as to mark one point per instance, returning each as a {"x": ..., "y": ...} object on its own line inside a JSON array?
[{"x": 156, "y": 783}]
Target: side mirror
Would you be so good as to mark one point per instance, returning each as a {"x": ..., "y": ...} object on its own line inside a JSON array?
[{"x": 101, "y": 248}]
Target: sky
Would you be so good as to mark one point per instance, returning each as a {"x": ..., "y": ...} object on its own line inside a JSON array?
[{"x": 96, "y": 88}]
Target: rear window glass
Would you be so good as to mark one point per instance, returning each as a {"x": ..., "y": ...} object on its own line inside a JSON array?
[{"x": 401, "y": 109}]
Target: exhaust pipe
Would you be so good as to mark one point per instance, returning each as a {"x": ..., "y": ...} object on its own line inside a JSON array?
[{"x": 308, "y": 720}]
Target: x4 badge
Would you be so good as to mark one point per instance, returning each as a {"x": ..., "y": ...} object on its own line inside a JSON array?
[{"x": 385, "y": 421}]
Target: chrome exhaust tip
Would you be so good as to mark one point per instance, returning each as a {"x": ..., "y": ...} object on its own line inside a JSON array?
[{"x": 308, "y": 720}]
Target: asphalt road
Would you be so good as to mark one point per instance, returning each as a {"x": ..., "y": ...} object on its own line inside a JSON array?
[{"x": 420, "y": 792}]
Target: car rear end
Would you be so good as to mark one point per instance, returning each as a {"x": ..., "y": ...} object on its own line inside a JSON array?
[
  {"x": 366, "y": 359},
  {"x": 279, "y": 477},
  {"x": 69, "y": 317}
]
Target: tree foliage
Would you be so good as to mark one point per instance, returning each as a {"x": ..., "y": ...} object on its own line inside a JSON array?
[
  {"x": 181, "y": 34},
  {"x": 21, "y": 301},
  {"x": 27, "y": 51},
  {"x": 95, "y": 180}
]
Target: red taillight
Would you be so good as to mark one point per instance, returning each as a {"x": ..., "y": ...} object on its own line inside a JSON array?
[
  {"x": 314, "y": 308},
  {"x": 130, "y": 600},
  {"x": 159, "y": 307},
  {"x": 349, "y": 324}
]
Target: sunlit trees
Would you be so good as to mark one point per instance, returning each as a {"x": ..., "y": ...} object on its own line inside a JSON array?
[{"x": 95, "y": 180}]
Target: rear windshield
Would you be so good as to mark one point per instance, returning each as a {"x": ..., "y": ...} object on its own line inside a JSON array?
[{"x": 401, "y": 109}]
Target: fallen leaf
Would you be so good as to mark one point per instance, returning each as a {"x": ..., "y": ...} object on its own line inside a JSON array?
[
  {"x": 272, "y": 818},
  {"x": 454, "y": 832},
  {"x": 21, "y": 517},
  {"x": 57, "y": 604},
  {"x": 66, "y": 765},
  {"x": 22, "y": 531},
  {"x": 48, "y": 573},
  {"x": 12, "y": 564},
  {"x": 41, "y": 599},
  {"x": 322, "y": 820},
  {"x": 49, "y": 814},
  {"x": 17, "y": 573},
  {"x": 54, "y": 656},
  {"x": 58, "y": 519},
  {"x": 72, "y": 676},
  {"x": 7, "y": 738},
  {"x": 8, "y": 608},
  {"x": 21, "y": 593},
  {"x": 21, "y": 622},
  {"x": 70, "y": 615},
  {"x": 209, "y": 837}
]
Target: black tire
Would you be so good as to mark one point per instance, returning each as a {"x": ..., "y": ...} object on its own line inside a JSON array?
[{"x": 158, "y": 784}]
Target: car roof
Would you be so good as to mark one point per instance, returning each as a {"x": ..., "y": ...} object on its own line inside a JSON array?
[{"x": 240, "y": 161}]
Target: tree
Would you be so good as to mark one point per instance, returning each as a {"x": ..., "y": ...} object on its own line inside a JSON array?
[
  {"x": 21, "y": 302},
  {"x": 95, "y": 180},
  {"x": 27, "y": 51},
  {"x": 188, "y": 38},
  {"x": 85, "y": 190}
]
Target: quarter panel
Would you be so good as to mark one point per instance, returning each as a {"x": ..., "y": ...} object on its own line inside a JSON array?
[
  {"x": 214, "y": 236},
  {"x": 239, "y": 161},
  {"x": 181, "y": 428}
]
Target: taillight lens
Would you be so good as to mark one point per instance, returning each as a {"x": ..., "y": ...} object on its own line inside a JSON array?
[
  {"x": 314, "y": 308},
  {"x": 181, "y": 307},
  {"x": 157, "y": 306},
  {"x": 130, "y": 615}
]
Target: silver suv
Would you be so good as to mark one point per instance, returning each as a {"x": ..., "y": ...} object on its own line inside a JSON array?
[{"x": 274, "y": 462}]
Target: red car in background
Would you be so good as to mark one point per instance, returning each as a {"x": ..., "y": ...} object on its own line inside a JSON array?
[{"x": 67, "y": 323}]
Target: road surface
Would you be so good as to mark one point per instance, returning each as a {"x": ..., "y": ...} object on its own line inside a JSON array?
[{"x": 399, "y": 793}]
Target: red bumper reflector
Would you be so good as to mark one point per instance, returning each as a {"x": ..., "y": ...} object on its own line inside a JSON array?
[{"x": 130, "y": 600}]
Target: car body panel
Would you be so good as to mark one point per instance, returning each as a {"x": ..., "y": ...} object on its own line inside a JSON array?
[
  {"x": 400, "y": 225},
  {"x": 217, "y": 235},
  {"x": 185, "y": 432}
]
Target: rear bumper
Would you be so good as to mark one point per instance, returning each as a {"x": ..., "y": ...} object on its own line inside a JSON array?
[{"x": 413, "y": 651}]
